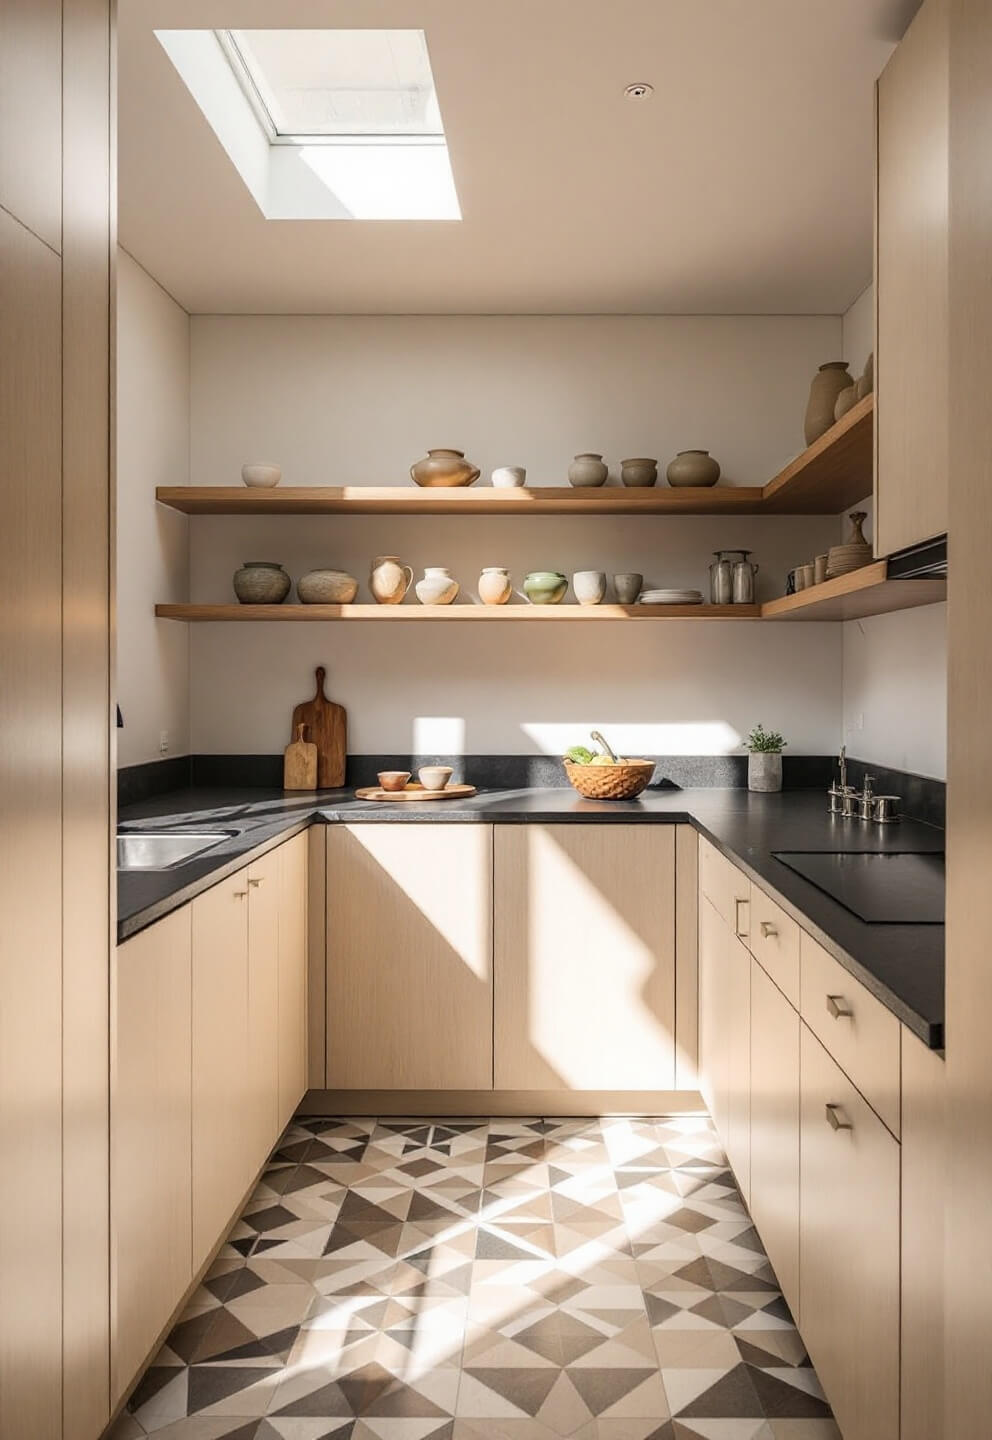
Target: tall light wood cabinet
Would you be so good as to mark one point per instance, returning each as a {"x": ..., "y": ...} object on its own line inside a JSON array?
[
  {"x": 911, "y": 279},
  {"x": 774, "y": 1112},
  {"x": 264, "y": 963},
  {"x": 221, "y": 1089},
  {"x": 151, "y": 1138},
  {"x": 849, "y": 1247},
  {"x": 584, "y": 957},
  {"x": 924, "y": 1183},
  {"x": 293, "y": 959},
  {"x": 409, "y": 957}
]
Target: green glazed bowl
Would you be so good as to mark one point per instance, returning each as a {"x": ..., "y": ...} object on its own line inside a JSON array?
[{"x": 545, "y": 587}]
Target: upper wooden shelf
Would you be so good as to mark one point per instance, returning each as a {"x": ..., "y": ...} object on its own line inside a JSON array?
[
  {"x": 856, "y": 596},
  {"x": 827, "y": 477}
]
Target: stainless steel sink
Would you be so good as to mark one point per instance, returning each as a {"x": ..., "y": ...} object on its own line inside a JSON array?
[{"x": 143, "y": 850}]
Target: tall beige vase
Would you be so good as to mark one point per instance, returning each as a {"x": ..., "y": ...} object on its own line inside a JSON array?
[{"x": 827, "y": 384}]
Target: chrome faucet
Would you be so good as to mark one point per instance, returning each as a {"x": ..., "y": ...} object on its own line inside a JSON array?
[
  {"x": 866, "y": 800},
  {"x": 843, "y": 767},
  {"x": 841, "y": 794}
]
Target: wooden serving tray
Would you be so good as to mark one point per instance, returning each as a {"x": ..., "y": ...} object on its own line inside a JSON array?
[{"x": 415, "y": 792}]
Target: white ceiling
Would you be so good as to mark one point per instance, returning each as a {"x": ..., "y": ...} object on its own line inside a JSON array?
[{"x": 744, "y": 185}]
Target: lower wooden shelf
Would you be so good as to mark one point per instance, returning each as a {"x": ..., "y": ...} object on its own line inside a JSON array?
[{"x": 856, "y": 596}]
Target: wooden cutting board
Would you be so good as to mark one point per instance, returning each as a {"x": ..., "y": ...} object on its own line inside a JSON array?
[
  {"x": 327, "y": 728},
  {"x": 299, "y": 767},
  {"x": 415, "y": 792}
]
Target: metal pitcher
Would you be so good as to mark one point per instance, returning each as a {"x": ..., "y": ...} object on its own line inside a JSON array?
[
  {"x": 743, "y": 580},
  {"x": 722, "y": 575}
]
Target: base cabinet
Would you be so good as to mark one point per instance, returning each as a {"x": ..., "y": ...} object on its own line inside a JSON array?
[
  {"x": 849, "y": 1248},
  {"x": 725, "y": 1025},
  {"x": 151, "y": 1214},
  {"x": 775, "y": 1130},
  {"x": 584, "y": 957},
  {"x": 293, "y": 858},
  {"x": 714, "y": 1017}
]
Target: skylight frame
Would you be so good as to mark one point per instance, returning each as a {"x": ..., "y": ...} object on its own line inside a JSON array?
[{"x": 245, "y": 78}]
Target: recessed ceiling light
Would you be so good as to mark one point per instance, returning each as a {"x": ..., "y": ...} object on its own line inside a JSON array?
[{"x": 640, "y": 91}]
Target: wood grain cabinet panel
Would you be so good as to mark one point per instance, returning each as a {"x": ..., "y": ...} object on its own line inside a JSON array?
[
  {"x": 585, "y": 957},
  {"x": 293, "y": 1019},
  {"x": 738, "y": 1137},
  {"x": 714, "y": 1016},
  {"x": 31, "y": 115},
  {"x": 220, "y": 1060},
  {"x": 911, "y": 269},
  {"x": 262, "y": 1075},
  {"x": 409, "y": 957},
  {"x": 773, "y": 939},
  {"x": 151, "y": 1136},
  {"x": 849, "y": 1248},
  {"x": 774, "y": 1201},
  {"x": 924, "y": 1182}
]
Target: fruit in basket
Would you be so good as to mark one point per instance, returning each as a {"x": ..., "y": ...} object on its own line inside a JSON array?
[{"x": 579, "y": 755}]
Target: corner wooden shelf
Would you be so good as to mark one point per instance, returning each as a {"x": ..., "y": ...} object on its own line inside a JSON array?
[
  {"x": 489, "y": 614},
  {"x": 855, "y": 596},
  {"x": 831, "y": 474}
]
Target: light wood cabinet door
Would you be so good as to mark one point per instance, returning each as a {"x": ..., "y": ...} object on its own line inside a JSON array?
[
  {"x": 409, "y": 957},
  {"x": 911, "y": 276},
  {"x": 293, "y": 865},
  {"x": 150, "y": 1139},
  {"x": 924, "y": 1180},
  {"x": 585, "y": 957},
  {"x": 849, "y": 1247},
  {"x": 262, "y": 1076},
  {"x": 220, "y": 1059},
  {"x": 714, "y": 1016},
  {"x": 738, "y": 1141},
  {"x": 31, "y": 115},
  {"x": 774, "y": 1201}
]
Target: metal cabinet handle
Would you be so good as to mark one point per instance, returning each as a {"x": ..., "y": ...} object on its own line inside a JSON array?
[
  {"x": 837, "y": 1118},
  {"x": 741, "y": 934},
  {"x": 838, "y": 1007},
  {"x": 257, "y": 881},
  {"x": 240, "y": 894},
  {"x": 767, "y": 928}
]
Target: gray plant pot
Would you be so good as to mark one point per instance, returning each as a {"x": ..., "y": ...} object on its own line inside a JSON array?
[{"x": 764, "y": 770}]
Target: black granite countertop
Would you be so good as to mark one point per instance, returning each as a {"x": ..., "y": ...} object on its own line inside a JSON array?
[{"x": 903, "y": 965}]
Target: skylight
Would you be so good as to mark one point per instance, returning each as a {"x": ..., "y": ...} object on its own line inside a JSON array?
[
  {"x": 310, "y": 83},
  {"x": 324, "y": 124}
]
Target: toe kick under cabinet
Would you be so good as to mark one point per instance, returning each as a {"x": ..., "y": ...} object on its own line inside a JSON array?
[
  {"x": 841, "y": 1155},
  {"x": 531, "y": 960}
]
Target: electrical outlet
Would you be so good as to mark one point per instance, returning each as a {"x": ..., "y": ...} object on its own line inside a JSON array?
[{"x": 163, "y": 742}]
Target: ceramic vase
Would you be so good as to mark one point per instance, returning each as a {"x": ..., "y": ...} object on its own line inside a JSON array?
[
  {"x": 846, "y": 400},
  {"x": 506, "y": 477},
  {"x": 261, "y": 582},
  {"x": 639, "y": 473},
  {"x": 827, "y": 384},
  {"x": 437, "y": 587},
  {"x": 327, "y": 587},
  {"x": 587, "y": 470},
  {"x": 444, "y": 467},
  {"x": 545, "y": 587},
  {"x": 764, "y": 770},
  {"x": 494, "y": 585},
  {"x": 693, "y": 468},
  {"x": 389, "y": 579},
  {"x": 589, "y": 586}
]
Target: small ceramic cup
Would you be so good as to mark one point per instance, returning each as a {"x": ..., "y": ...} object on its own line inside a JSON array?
[
  {"x": 261, "y": 477},
  {"x": 393, "y": 779},
  {"x": 434, "y": 777},
  {"x": 508, "y": 476},
  {"x": 628, "y": 587},
  {"x": 589, "y": 586},
  {"x": 806, "y": 572},
  {"x": 819, "y": 569}
]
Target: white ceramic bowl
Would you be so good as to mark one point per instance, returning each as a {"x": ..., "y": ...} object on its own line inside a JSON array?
[
  {"x": 434, "y": 777},
  {"x": 508, "y": 476},
  {"x": 261, "y": 477}
]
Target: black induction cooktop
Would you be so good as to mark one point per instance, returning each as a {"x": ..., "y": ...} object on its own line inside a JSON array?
[{"x": 897, "y": 889}]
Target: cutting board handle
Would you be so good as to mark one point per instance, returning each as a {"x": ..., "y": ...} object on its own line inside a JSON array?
[
  {"x": 321, "y": 673},
  {"x": 300, "y": 735}
]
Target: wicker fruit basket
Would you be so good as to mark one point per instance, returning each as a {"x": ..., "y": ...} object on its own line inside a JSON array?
[{"x": 610, "y": 782}]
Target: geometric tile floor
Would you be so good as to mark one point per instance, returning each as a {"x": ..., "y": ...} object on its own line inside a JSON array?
[{"x": 488, "y": 1280}]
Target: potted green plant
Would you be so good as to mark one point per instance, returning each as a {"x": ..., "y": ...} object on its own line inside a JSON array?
[{"x": 764, "y": 761}]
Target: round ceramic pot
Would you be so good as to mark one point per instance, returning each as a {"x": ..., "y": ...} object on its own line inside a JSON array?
[
  {"x": 327, "y": 587},
  {"x": 444, "y": 467},
  {"x": 827, "y": 384},
  {"x": 586, "y": 470},
  {"x": 545, "y": 587},
  {"x": 389, "y": 579},
  {"x": 494, "y": 585},
  {"x": 437, "y": 587},
  {"x": 867, "y": 382},
  {"x": 589, "y": 586},
  {"x": 764, "y": 770},
  {"x": 845, "y": 401},
  {"x": 639, "y": 473},
  {"x": 693, "y": 468},
  {"x": 628, "y": 587},
  {"x": 261, "y": 582},
  {"x": 506, "y": 477},
  {"x": 261, "y": 477}
]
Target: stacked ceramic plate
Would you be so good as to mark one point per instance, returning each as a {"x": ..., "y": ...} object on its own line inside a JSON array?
[
  {"x": 842, "y": 559},
  {"x": 671, "y": 597}
]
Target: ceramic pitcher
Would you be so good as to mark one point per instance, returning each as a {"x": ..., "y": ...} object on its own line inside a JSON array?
[{"x": 390, "y": 579}]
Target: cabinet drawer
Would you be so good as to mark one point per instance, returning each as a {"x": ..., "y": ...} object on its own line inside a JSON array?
[
  {"x": 849, "y": 1248},
  {"x": 724, "y": 886},
  {"x": 773, "y": 939},
  {"x": 856, "y": 1029}
]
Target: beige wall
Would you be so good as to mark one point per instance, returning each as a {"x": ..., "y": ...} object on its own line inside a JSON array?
[
  {"x": 355, "y": 400},
  {"x": 858, "y": 331},
  {"x": 152, "y": 548}
]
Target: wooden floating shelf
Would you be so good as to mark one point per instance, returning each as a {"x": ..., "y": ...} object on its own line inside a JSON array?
[
  {"x": 489, "y": 614},
  {"x": 856, "y": 596},
  {"x": 831, "y": 474}
]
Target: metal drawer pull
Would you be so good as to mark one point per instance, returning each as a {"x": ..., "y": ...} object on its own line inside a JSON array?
[
  {"x": 836, "y": 1117},
  {"x": 737, "y": 917},
  {"x": 240, "y": 894},
  {"x": 257, "y": 881},
  {"x": 767, "y": 928},
  {"x": 839, "y": 1007}
]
